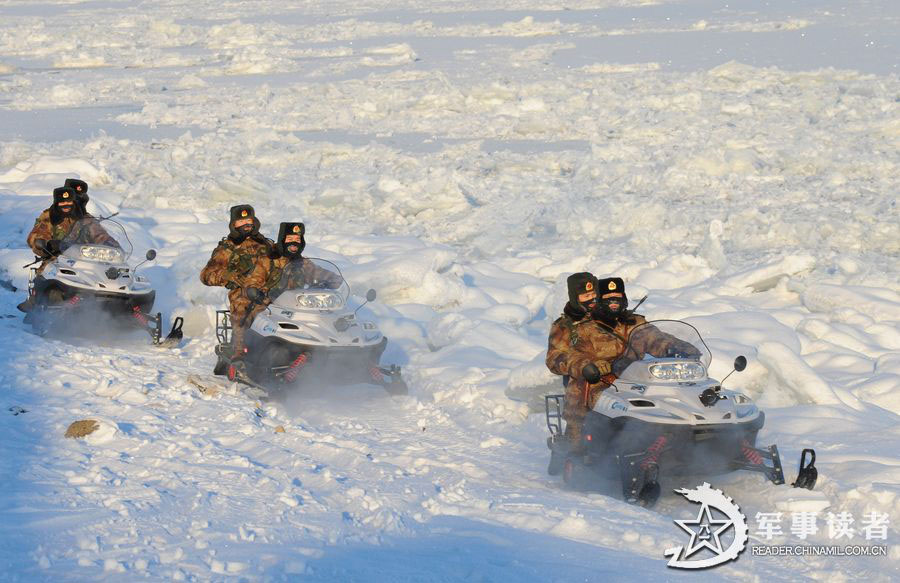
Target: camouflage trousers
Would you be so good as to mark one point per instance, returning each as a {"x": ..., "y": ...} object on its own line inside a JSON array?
[
  {"x": 580, "y": 398},
  {"x": 242, "y": 313}
]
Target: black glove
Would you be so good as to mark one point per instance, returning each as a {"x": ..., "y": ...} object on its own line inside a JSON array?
[
  {"x": 591, "y": 373},
  {"x": 255, "y": 295},
  {"x": 41, "y": 244},
  {"x": 54, "y": 246}
]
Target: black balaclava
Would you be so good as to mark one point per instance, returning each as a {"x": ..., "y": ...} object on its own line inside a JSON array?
[
  {"x": 81, "y": 191},
  {"x": 242, "y": 211},
  {"x": 286, "y": 229},
  {"x": 603, "y": 312},
  {"x": 64, "y": 194},
  {"x": 580, "y": 283}
]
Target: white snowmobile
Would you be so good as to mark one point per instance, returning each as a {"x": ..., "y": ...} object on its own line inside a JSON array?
[
  {"x": 89, "y": 286},
  {"x": 664, "y": 415},
  {"x": 309, "y": 326}
]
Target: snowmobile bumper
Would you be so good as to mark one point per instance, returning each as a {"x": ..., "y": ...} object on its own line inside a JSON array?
[{"x": 111, "y": 302}]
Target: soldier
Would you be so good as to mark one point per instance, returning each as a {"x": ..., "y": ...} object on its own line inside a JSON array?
[
  {"x": 592, "y": 333},
  {"x": 232, "y": 261},
  {"x": 55, "y": 224},
  {"x": 288, "y": 270}
]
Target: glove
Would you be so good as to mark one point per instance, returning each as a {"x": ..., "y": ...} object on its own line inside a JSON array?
[
  {"x": 255, "y": 295},
  {"x": 41, "y": 244},
  {"x": 674, "y": 352},
  {"x": 593, "y": 373},
  {"x": 53, "y": 246}
]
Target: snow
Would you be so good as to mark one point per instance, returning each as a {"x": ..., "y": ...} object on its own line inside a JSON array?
[{"x": 737, "y": 164}]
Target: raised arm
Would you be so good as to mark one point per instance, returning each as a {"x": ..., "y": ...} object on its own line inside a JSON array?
[{"x": 655, "y": 342}]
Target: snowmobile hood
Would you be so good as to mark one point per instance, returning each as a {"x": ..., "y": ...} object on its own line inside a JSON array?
[{"x": 647, "y": 391}]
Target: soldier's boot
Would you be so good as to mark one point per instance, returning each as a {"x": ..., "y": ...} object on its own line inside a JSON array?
[{"x": 27, "y": 305}]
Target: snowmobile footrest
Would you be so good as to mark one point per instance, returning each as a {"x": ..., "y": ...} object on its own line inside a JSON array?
[
  {"x": 553, "y": 407},
  {"x": 774, "y": 473},
  {"x": 175, "y": 334},
  {"x": 808, "y": 474},
  {"x": 640, "y": 483}
]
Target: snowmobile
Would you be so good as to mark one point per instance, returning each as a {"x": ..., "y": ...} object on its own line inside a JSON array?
[
  {"x": 89, "y": 286},
  {"x": 664, "y": 416},
  {"x": 309, "y": 327}
]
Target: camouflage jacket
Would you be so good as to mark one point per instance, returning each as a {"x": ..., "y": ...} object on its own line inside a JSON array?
[
  {"x": 90, "y": 232},
  {"x": 283, "y": 273},
  {"x": 232, "y": 263},
  {"x": 574, "y": 344}
]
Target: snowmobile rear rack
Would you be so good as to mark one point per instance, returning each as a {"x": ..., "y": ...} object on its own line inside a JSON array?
[
  {"x": 223, "y": 327},
  {"x": 554, "y": 413}
]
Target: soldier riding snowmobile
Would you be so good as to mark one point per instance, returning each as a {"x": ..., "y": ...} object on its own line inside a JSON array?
[
  {"x": 301, "y": 319},
  {"x": 639, "y": 402},
  {"x": 86, "y": 285}
]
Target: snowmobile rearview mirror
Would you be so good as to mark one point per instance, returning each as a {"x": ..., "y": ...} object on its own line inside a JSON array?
[
  {"x": 740, "y": 363},
  {"x": 343, "y": 323},
  {"x": 150, "y": 256},
  {"x": 370, "y": 297}
]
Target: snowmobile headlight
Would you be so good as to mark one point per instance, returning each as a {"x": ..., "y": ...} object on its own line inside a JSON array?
[
  {"x": 678, "y": 371},
  {"x": 100, "y": 253},
  {"x": 319, "y": 301}
]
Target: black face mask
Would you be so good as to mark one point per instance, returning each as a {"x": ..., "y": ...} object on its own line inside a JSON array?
[
  {"x": 604, "y": 313},
  {"x": 291, "y": 250},
  {"x": 239, "y": 234}
]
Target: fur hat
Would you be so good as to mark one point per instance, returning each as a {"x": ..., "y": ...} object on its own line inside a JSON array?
[
  {"x": 238, "y": 212},
  {"x": 580, "y": 283},
  {"x": 81, "y": 190}
]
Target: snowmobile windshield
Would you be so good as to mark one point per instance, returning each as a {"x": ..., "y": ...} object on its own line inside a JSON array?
[
  {"x": 663, "y": 339},
  {"x": 98, "y": 240},
  {"x": 311, "y": 284}
]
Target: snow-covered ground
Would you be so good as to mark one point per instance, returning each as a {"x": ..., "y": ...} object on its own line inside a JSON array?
[{"x": 737, "y": 162}]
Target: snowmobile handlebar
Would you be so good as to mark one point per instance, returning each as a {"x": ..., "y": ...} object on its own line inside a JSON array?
[{"x": 53, "y": 250}]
